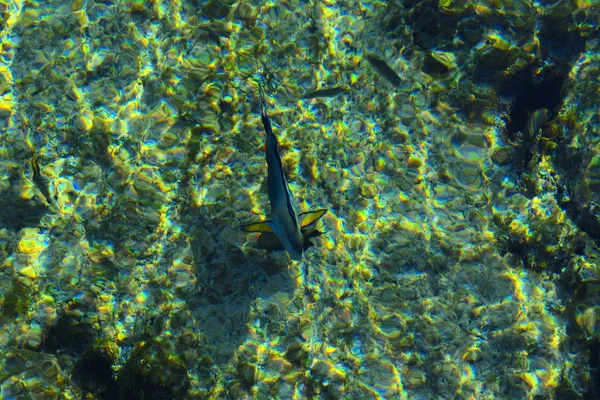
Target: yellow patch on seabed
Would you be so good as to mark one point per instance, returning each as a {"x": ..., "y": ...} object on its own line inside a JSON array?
[
  {"x": 517, "y": 283},
  {"x": 588, "y": 320},
  {"x": 29, "y": 272},
  {"x": 28, "y": 250},
  {"x": 31, "y": 242},
  {"x": 6, "y": 109},
  {"x": 410, "y": 226},
  {"x": 530, "y": 379}
]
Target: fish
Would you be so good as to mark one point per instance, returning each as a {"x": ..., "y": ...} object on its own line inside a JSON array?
[
  {"x": 40, "y": 180},
  {"x": 287, "y": 224},
  {"x": 329, "y": 92},
  {"x": 530, "y": 140},
  {"x": 384, "y": 69},
  {"x": 536, "y": 120}
]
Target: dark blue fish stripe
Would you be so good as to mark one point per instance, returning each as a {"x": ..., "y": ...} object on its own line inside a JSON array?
[{"x": 275, "y": 150}]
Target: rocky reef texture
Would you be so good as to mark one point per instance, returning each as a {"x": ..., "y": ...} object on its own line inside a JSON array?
[{"x": 460, "y": 258}]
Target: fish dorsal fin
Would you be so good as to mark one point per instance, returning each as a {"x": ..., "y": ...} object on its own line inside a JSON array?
[
  {"x": 310, "y": 217},
  {"x": 261, "y": 227}
]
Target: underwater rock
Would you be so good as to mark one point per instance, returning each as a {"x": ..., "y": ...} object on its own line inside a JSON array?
[
  {"x": 246, "y": 373},
  {"x": 28, "y": 374},
  {"x": 93, "y": 371},
  {"x": 584, "y": 186},
  {"x": 217, "y": 8},
  {"x": 246, "y": 13},
  {"x": 153, "y": 368},
  {"x": 439, "y": 63},
  {"x": 70, "y": 331},
  {"x": 297, "y": 354}
]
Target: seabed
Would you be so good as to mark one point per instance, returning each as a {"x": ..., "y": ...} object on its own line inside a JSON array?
[{"x": 459, "y": 159}]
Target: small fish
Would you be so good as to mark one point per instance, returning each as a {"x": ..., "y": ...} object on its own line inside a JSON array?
[
  {"x": 330, "y": 92},
  {"x": 531, "y": 135},
  {"x": 384, "y": 69},
  {"x": 536, "y": 120},
  {"x": 287, "y": 224},
  {"x": 40, "y": 180}
]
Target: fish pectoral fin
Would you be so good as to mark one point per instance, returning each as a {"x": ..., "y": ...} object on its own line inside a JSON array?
[
  {"x": 310, "y": 217},
  {"x": 261, "y": 227}
]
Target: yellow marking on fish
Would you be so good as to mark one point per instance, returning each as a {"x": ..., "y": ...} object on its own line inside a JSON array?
[
  {"x": 310, "y": 217},
  {"x": 261, "y": 227}
]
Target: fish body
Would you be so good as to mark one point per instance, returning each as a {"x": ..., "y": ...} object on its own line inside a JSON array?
[
  {"x": 384, "y": 69},
  {"x": 284, "y": 211},
  {"x": 292, "y": 229},
  {"x": 536, "y": 120},
  {"x": 531, "y": 136},
  {"x": 329, "y": 92},
  {"x": 40, "y": 180}
]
